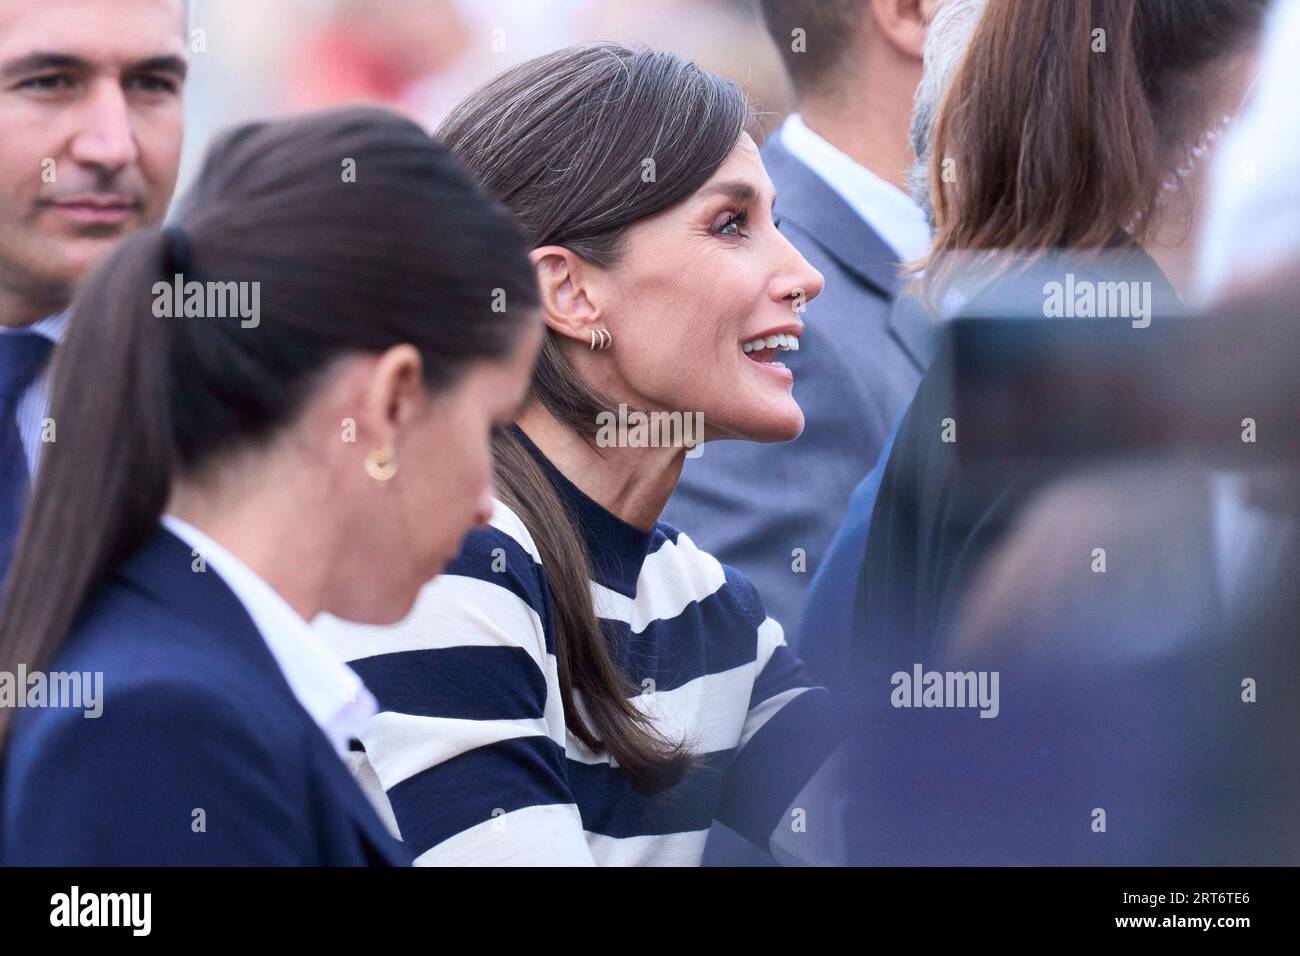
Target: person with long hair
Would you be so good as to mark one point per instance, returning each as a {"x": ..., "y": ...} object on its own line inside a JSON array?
[
  {"x": 1071, "y": 146},
  {"x": 281, "y": 404},
  {"x": 585, "y": 685}
]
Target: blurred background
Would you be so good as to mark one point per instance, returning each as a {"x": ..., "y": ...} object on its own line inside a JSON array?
[{"x": 252, "y": 59}]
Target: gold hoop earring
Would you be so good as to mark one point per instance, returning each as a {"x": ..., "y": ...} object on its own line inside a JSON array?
[
  {"x": 606, "y": 339},
  {"x": 381, "y": 464}
]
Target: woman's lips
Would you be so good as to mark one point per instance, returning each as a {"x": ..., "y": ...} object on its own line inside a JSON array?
[
  {"x": 763, "y": 359},
  {"x": 763, "y": 349}
]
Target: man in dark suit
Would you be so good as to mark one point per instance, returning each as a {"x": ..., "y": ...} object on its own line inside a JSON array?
[
  {"x": 91, "y": 122},
  {"x": 827, "y": 626},
  {"x": 839, "y": 166}
]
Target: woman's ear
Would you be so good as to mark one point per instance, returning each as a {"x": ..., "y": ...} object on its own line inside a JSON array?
[
  {"x": 394, "y": 394},
  {"x": 564, "y": 281}
]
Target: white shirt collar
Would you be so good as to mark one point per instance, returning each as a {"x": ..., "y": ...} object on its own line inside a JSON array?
[
  {"x": 51, "y": 327},
  {"x": 883, "y": 206},
  {"x": 330, "y": 691}
]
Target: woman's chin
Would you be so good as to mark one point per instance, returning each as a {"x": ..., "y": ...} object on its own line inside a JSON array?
[
  {"x": 385, "y": 609},
  {"x": 774, "y": 425},
  {"x": 787, "y": 431}
]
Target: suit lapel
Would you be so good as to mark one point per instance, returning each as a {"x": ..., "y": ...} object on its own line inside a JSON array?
[
  {"x": 807, "y": 201},
  {"x": 164, "y": 569},
  {"x": 915, "y": 329}
]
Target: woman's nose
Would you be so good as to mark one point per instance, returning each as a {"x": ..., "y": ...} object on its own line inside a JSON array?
[
  {"x": 797, "y": 281},
  {"x": 814, "y": 282}
]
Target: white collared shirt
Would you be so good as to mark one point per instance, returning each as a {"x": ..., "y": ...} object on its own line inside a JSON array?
[
  {"x": 881, "y": 205},
  {"x": 35, "y": 402},
  {"x": 330, "y": 691}
]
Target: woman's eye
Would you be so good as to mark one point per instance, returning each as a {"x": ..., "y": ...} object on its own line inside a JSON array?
[
  {"x": 734, "y": 225},
  {"x": 777, "y": 222}
]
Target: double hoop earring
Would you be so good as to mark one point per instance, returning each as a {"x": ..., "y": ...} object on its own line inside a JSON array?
[
  {"x": 601, "y": 339},
  {"x": 381, "y": 464}
]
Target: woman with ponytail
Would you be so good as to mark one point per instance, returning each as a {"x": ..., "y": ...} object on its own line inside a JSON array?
[
  {"x": 222, "y": 475},
  {"x": 585, "y": 685}
]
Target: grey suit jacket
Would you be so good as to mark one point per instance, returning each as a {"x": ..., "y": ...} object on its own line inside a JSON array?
[{"x": 752, "y": 505}]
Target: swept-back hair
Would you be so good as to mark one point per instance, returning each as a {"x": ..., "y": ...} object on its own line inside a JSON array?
[{"x": 565, "y": 141}]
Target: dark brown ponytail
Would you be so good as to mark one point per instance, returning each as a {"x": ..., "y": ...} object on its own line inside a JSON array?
[{"x": 104, "y": 481}]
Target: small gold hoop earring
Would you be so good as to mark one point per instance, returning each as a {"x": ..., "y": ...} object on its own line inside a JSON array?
[
  {"x": 381, "y": 464},
  {"x": 606, "y": 339}
]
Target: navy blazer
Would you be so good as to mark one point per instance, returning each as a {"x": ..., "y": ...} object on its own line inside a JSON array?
[
  {"x": 749, "y": 504},
  {"x": 201, "y": 756}
]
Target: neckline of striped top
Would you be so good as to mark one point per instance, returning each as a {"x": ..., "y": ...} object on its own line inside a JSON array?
[{"x": 617, "y": 549}]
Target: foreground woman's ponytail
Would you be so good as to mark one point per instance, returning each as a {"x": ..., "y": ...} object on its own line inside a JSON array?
[
  {"x": 104, "y": 477},
  {"x": 359, "y": 233}
]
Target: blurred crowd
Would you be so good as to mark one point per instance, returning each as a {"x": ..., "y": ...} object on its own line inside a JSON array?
[{"x": 423, "y": 56}]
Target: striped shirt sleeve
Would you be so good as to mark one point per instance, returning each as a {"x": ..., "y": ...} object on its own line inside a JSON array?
[
  {"x": 791, "y": 728},
  {"x": 468, "y": 745}
]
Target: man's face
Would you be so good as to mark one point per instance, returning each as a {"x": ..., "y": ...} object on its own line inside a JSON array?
[{"x": 91, "y": 121}]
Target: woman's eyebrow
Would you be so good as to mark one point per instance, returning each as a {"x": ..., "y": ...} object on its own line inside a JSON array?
[{"x": 735, "y": 188}]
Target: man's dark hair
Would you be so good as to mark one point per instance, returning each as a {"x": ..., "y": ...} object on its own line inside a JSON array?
[{"x": 829, "y": 27}]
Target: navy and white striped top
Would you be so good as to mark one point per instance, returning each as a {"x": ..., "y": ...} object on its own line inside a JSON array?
[{"x": 469, "y": 752}]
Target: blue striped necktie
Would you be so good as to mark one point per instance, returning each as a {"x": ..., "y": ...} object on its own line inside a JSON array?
[{"x": 23, "y": 355}]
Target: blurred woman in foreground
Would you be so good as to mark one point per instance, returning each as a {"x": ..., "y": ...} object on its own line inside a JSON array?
[{"x": 220, "y": 479}]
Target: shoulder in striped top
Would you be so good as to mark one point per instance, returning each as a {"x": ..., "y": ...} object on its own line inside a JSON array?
[{"x": 469, "y": 755}]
